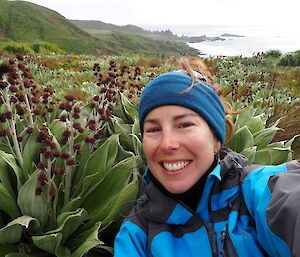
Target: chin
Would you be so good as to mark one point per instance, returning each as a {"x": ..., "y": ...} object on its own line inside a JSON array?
[{"x": 177, "y": 189}]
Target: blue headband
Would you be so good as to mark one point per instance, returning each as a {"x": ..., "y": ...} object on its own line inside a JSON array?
[{"x": 167, "y": 89}]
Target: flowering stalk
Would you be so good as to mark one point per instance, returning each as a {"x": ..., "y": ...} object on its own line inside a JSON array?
[
  {"x": 68, "y": 173},
  {"x": 31, "y": 124},
  {"x": 12, "y": 126}
]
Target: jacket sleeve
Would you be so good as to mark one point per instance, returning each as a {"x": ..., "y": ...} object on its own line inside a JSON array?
[
  {"x": 130, "y": 241},
  {"x": 272, "y": 196}
]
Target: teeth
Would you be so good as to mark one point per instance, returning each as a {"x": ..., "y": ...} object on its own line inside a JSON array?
[{"x": 176, "y": 165}]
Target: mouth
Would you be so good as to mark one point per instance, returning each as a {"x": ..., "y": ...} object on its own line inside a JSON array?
[{"x": 175, "y": 166}]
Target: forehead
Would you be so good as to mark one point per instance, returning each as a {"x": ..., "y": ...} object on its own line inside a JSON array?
[{"x": 170, "y": 111}]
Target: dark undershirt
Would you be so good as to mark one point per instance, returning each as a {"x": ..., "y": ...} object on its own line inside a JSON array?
[{"x": 192, "y": 196}]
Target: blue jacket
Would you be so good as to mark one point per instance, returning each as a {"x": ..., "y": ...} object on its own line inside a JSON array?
[{"x": 243, "y": 211}]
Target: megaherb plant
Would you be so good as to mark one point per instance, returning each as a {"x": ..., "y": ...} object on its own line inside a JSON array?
[
  {"x": 253, "y": 138},
  {"x": 63, "y": 177}
]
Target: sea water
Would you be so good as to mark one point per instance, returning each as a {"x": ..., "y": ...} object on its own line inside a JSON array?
[{"x": 251, "y": 40}]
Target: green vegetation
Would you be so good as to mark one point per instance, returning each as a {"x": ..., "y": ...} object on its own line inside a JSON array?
[
  {"x": 24, "y": 22},
  {"x": 70, "y": 146},
  {"x": 290, "y": 59}
]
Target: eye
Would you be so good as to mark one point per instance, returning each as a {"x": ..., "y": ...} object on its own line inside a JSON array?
[
  {"x": 186, "y": 124},
  {"x": 152, "y": 130}
]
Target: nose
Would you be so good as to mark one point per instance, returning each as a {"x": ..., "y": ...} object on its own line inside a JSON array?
[{"x": 169, "y": 141}]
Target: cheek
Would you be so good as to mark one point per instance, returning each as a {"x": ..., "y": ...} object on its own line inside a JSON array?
[{"x": 148, "y": 148}]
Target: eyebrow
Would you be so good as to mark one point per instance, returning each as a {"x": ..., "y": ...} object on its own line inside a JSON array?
[{"x": 177, "y": 117}]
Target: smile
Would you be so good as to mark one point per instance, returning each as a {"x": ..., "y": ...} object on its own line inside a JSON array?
[{"x": 175, "y": 165}]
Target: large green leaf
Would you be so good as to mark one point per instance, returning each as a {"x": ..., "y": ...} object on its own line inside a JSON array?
[
  {"x": 99, "y": 163},
  {"x": 255, "y": 124},
  {"x": 31, "y": 153},
  {"x": 51, "y": 244},
  {"x": 107, "y": 188},
  {"x": 264, "y": 137},
  {"x": 86, "y": 241},
  {"x": 242, "y": 118},
  {"x": 272, "y": 156},
  {"x": 8, "y": 203},
  {"x": 242, "y": 139},
  {"x": 68, "y": 223},
  {"x": 86, "y": 150},
  {"x": 290, "y": 142},
  {"x": 7, "y": 177},
  {"x": 128, "y": 109},
  {"x": 72, "y": 205},
  {"x": 122, "y": 204},
  {"x": 12, "y": 232},
  {"x": 5, "y": 148},
  {"x": 11, "y": 161},
  {"x": 8, "y": 249},
  {"x": 32, "y": 204},
  {"x": 124, "y": 131},
  {"x": 57, "y": 128},
  {"x": 250, "y": 154},
  {"x": 21, "y": 255}
]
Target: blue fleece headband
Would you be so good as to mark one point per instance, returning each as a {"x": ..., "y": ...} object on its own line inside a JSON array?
[{"x": 167, "y": 89}]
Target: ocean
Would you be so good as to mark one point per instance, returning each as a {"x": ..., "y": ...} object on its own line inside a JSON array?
[{"x": 255, "y": 38}]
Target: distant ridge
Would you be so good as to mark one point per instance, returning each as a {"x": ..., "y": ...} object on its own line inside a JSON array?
[
  {"x": 100, "y": 25},
  {"x": 22, "y": 21}
]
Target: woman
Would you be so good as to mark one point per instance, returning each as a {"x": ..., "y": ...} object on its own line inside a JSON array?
[{"x": 199, "y": 199}]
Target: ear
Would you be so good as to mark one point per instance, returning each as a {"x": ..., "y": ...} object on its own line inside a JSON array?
[{"x": 217, "y": 146}]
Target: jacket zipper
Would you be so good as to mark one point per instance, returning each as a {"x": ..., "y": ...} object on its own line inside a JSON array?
[{"x": 212, "y": 235}]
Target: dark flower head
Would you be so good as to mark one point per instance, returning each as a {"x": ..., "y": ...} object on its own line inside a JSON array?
[
  {"x": 27, "y": 74},
  {"x": 68, "y": 107},
  {"x": 52, "y": 191},
  {"x": 3, "y": 84},
  {"x": 4, "y": 132},
  {"x": 42, "y": 177},
  {"x": 13, "y": 89},
  {"x": 58, "y": 170},
  {"x": 4, "y": 68},
  {"x": 63, "y": 140},
  {"x": 47, "y": 155},
  {"x": 63, "y": 118},
  {"x": 69, "y": 97},
  {"x": 71, "y": 162},
  {"x": 29, "y": 130},
  {"x": 66, "y": 133},
  {"x": 77, "y": 146},
  {"x": 62, "y": 106},
  {"x": 90, "y": 140},
  {"x": 27, "y": 84},
  {"x": 35, "y": 100},
  {"x": 38, "y": 191},
  {"x": 76, "y": 115},
  {"x": 76, "y": 109},
  {"x": 96, "y": 98},
  {"x": 8, "y": 115},
  {"x": 76, "y": 125},
  {"x": 64, "y": 155}
]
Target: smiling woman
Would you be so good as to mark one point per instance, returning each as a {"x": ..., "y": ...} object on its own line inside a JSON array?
[
  {"x": 199, "y": 197},
  {"x": 179, "y": 147}
]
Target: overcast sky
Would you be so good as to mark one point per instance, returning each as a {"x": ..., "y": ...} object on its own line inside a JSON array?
[{"x": 180, "y": 12}]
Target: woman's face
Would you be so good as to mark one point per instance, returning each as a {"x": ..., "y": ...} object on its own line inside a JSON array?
[{"x": 179, "y": 146}]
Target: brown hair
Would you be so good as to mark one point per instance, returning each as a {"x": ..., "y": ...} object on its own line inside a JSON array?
[{"x": 198, "y": 70}]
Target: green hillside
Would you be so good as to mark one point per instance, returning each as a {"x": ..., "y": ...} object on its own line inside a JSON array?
[
  {"x": 25, "y": 22},
  {"x": 22, "y": 21}
]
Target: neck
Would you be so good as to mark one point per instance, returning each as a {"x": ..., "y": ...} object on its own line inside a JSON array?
[{"x": 190, "y": 197}]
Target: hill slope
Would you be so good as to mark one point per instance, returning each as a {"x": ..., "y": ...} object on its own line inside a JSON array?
[
  {"x": 22, "y": 21},
  {"x": 25, "y": 22}
]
